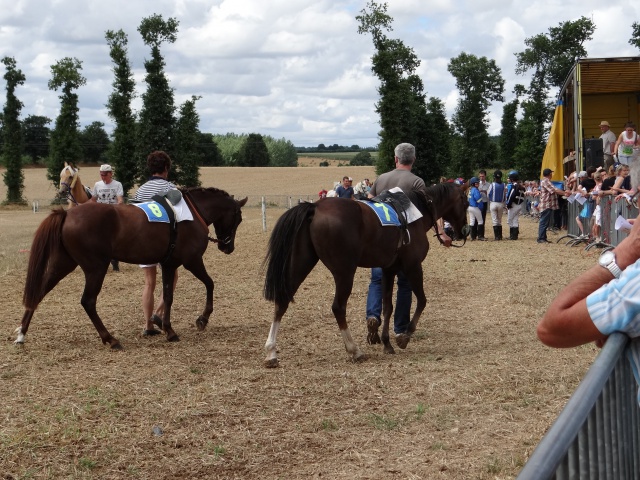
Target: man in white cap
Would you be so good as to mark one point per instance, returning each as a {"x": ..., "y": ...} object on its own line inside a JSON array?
[
  {"x": 608, "y": 142},
  {"x": 108, "y": 190}
]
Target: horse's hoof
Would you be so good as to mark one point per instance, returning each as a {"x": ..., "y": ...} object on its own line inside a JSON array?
[
  {"x": 157, "y": 321},
  {"x": 19, "y": 343},
  {"x": 201, "y": 323},
  {"x": 174, "y": 338},
  {"x": 116, "y": 346},
  {"x": 372, "y": 331},
  {"x": 402, "y": 340},
  {"x": 272, "y": 363},
  {"x": 388, "y": 349},
  {"x": 360, "y": 357}
]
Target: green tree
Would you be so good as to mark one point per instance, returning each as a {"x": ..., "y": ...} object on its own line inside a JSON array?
[
  {"x": 122, "y": 151},
  {"x": 282, "y": 153},
  {"x": 230, "y": 145},
  {"x": 361, "y": 159},
  {"x": 402, "y": 107},
  {"x": 12, "y": 133},
  {"x": 550, "y": 56},
  {"x": 156, "y": 119},
  {"x": 209, "y": 153},
  {"x": 94, "y": 141},
  {"x": 254, "y": 152},
  {"x": 65, "y": 144},
  {"x": 479, "y": 81},
  {"x": 186, "y": 150},
  {"x": 635, "y": 35},
  {"x": 508, "y": 134},
  {"x": 441, "y": 140},
  {"x": 36, "y": 134}
]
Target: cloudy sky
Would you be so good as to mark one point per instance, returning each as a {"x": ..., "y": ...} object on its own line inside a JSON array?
[{"x": 296, "y": 69}]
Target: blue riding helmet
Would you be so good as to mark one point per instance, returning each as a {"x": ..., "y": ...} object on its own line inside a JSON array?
[{"x": 474, "y": 180}]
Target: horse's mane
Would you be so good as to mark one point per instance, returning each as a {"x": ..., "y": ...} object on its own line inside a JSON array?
[
  {"x": 440, "y": 191},
  {"x": 204, "y": 189}
]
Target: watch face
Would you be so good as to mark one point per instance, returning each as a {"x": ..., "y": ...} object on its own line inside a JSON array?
[{"x": 606, "y": 258}]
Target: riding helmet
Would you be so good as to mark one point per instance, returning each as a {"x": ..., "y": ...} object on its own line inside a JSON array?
[
  {"x": 513, "y": 175},
  {"x": 474, "y": 180},
  {"x": 497, "y": 175}
]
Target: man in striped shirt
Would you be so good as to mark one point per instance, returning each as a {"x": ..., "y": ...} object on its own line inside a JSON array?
[{"x": 158, "y": 163}]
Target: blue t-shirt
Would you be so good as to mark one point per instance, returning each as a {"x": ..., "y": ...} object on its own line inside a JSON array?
[{"x": 344, "y": 192}]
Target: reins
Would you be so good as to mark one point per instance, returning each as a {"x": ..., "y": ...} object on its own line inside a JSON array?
[
  {"x": 194, "y": 209},
  {"x": 434, "y": 218}
]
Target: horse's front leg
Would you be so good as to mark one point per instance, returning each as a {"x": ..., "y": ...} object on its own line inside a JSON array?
[
  {"x": 344, "y": 285},
  {"x": 415, "y": 278},
  {"x": 168, "y": 276},
  {"x": 198, "y": 269},
  {"x": 387, "y": 308}
]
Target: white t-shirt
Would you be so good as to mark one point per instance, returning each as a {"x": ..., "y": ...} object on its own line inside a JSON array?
[{"x": 107, "y": 193}]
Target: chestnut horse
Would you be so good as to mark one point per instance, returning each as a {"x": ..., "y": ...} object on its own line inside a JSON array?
[
  {"x": 94, "y": 233},
  {"x": 345, "y": 234},
  {"x": 71, "y": 187}
]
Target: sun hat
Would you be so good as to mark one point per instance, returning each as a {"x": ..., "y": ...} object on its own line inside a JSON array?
[
  {"x": 604, "y": 123},
  {"x": 105, "y": 168}
]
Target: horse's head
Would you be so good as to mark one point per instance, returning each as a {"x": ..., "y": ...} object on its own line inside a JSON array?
[
  {"x": 226, "y": 225},
  {"x": 450, "y": 203},
  {"x": 217, "y": 207},
  {"x": 68, "y": 179}
]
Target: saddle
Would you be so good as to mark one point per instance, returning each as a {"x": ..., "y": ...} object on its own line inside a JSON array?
[{"x": 400, "y": 203}]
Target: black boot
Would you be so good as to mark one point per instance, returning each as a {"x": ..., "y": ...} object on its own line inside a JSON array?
[
  {"x": 512, "y": 233},
  {"x": 495, "y": 233},
  {"x": 116, "y": 265},
  {"x": 516, "y": 231},
  {"x": 481, "y": 233},
  {"x": 474, "y": 232},
  {"x": 499, "y": 232}
]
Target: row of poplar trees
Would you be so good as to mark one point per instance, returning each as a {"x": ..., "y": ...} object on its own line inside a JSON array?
[{"x": 156, "y": 126}]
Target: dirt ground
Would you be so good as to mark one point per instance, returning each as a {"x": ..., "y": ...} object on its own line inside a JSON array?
[{"x": 469, "y": 398}]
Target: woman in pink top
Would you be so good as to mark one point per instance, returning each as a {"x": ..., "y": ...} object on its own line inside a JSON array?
[{"x": 625, "y": 144}]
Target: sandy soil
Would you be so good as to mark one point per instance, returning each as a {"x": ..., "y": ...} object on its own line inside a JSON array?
[{"x": 469, "y": 398}]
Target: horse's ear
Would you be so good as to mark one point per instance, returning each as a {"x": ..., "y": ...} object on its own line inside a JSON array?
[
  {"x": 243, "y": 201},
  {"x": 66, "y": 164}
]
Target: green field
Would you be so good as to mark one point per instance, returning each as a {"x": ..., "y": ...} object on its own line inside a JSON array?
[{"x": 346, "y": 156}]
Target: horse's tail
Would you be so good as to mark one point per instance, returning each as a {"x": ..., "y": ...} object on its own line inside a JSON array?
[
  {"x": 47, "y": 239},
  {"x": 277, "y": 284}
]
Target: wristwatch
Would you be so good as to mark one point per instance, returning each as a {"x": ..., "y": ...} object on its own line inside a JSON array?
[{"x": 608, "y": 261}]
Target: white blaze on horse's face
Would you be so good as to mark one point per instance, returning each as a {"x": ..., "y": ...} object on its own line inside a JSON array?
[{"x": 67, "y": 176}]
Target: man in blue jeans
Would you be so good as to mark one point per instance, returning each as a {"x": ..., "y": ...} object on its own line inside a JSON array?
[
  {"x": 405, "y": 155},
  {"x": 548, "y": 203}
]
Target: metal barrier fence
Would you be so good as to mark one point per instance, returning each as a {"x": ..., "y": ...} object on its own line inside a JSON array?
[
  {"x": 611, "y": 210},
  {"x": 597, "y": 434}
]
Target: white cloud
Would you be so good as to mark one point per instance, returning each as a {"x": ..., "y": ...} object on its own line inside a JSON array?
[{"x": 288, "y": 68}]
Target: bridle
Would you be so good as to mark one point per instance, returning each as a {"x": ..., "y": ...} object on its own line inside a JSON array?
[
  {"x": 70, "y": 186},
  {"x": 434, "y": 218},
  {"x": 194, "y": 209}
]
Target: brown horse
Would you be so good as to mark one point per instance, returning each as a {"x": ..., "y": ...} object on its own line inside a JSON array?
[
  {"x": 71, "y": 186},
  {"x": 345, "y": 234},
  {"x": 93, "y": 233}
]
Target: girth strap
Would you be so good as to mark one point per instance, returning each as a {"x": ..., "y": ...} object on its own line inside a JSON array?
[{"x": 173, "y": 225}]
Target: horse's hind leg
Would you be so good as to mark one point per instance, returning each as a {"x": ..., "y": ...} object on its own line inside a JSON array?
[
  {"x": 416, "y": 280},
  {"x": 60, "y": 265},
  {"x": 302, "y": 262},
  {"x": 92, "y": 285},
  {"x": 270, "y": 345},
  {"x": 344, "y": 285}
]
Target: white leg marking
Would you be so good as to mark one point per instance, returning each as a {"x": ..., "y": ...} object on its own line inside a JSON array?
[
  {"x": 20, "y": 339},
  {"x": 270, "y": 345},
  {"x": 350, "y": 345}
]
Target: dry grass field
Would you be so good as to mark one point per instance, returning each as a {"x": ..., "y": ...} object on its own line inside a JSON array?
[{"x": 468, "y": 399}]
